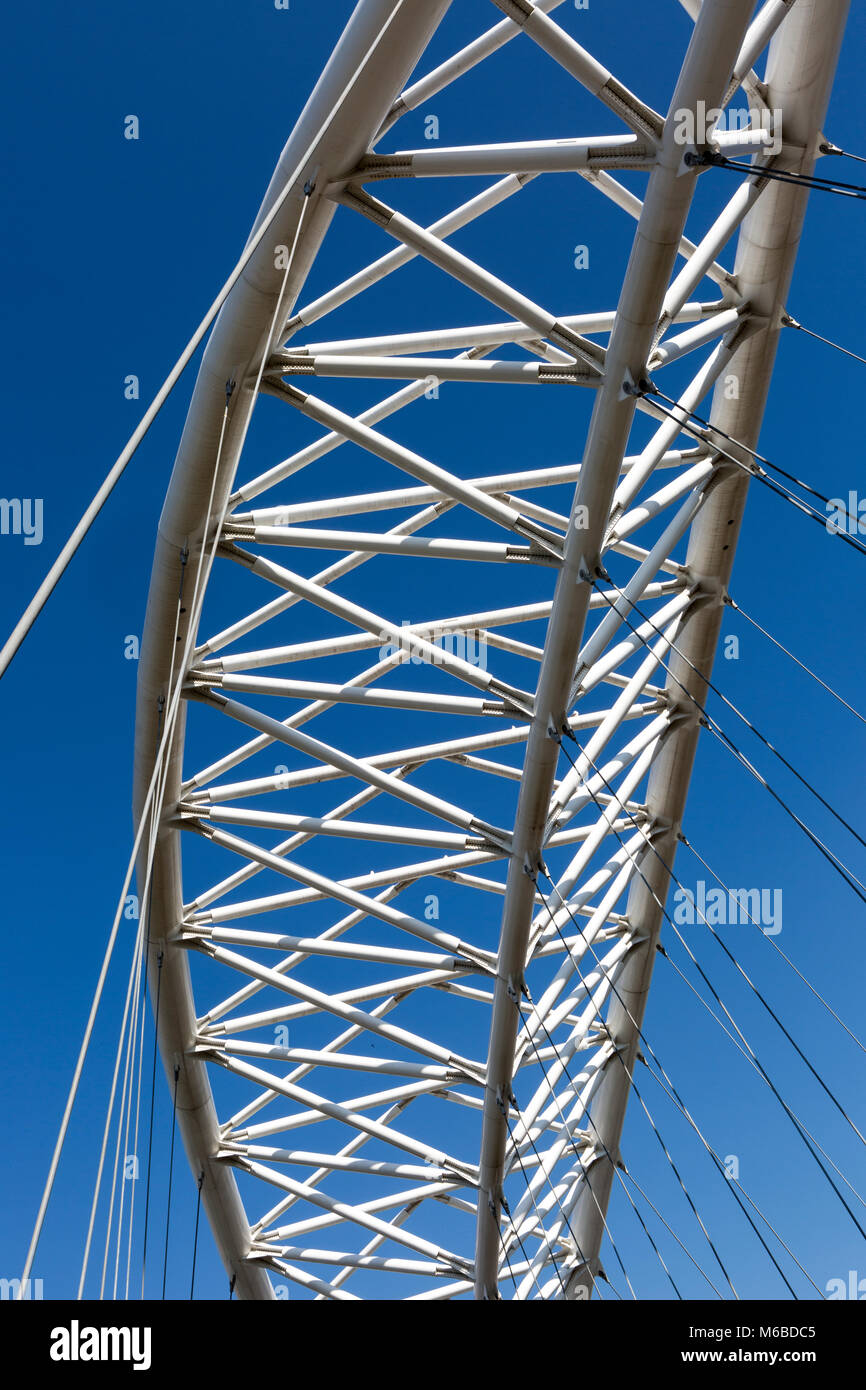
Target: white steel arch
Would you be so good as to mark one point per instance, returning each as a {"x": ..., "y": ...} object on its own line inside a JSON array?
[{"x": 400, "y": 1124}]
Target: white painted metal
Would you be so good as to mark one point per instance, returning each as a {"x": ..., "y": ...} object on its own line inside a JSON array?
[
  {"x": 233, "y": 346},
  {"x": 373, "y": 974},
  {"x": 800, "y": 71}
]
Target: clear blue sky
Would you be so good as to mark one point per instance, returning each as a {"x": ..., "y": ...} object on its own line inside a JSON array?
[{"x": 112, "y": 250}]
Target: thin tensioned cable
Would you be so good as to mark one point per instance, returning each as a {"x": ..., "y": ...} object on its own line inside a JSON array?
[
  {"x": 532, "y": 1198},
  {"x": 673, "y": 1094},
  {"x": 715, "y": 728},
  {"x": 534, "y": 1205},
  {"x": 754, "y": 471},
  {"x": 47, "y": 586},
  {"x": 125, "y": 1113},
  {"x": 167, "y": 734},
  {"x": 160, "y": 770},
  {"x": 632, "y": 1179},
  {"x": 753, "y": 1061},
  {"x": 667, "y": 1154},
  {"x": 713, "y": 160},
  {"x": 801, "y": 1129},
  {"x": 159, "y": 961},
  {"x": 778, "y": 1022},
  {"x": 776, "y": 947},
  {"x": 671, "y": 1091},
  {"x": 583, "y": 1167},
  {"x": 828, "y": 148},
  {"x": 653, "y": 390},
  {"x": 709, "y": 925},
  {"x": 717, "y": 1161},
  {"x": 589, "y": 1118},
  {"x": 106, "y": 1130},
  {"x": 749, "y": 1050},
  {"x": 170, "y": 1181},
  {"x": 790, "y": 322},
  {"x": 809, "y": 672},
  {"x": 195, "y": 1236}
]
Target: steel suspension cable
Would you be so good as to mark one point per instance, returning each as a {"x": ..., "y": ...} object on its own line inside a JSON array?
[
  {"x": 670, "y": 1091},
  {"x": 124, "y": 1119},
  {"x": 753, "y": 471},
  {"x": 143, "y": 821},
  {"x": 170, "y": 1180},
  {"x": 776, "y": 947},
  {"x": 508, "y": 1126},
  {"x": 583, "y": 1168},
  {"x": 771, "y": 1011},
  {"x": 673, "y": 877},
  {"x": 549, "y": 1182},
  {"x": 48, "y": 585},
  {"x": 738, "y": 712},
  {"x": 129, "y": 1172},
  {"x": 829, "y": 148},
  {"x": 747, "y": 1052},
  {"x": 159, "y": 961},
  {"x": 106, "y": 1130},
  {"x": 836, "y": 696},
  {"x": 642, "y": 1036},
  {"x": 629, "y": 1075},
  {"x": 632, "y": 1179},
  {"x": 652, "y": 390},
  {"x": 649, "y": 1237},
  {"x": 715, "y": 728},
  {"x": 145, "y": 905},
  {"x": 507, "y": 1262},
  {"x": 790, "y": 322},
  {"x": 674, "y": 1096},
  {"x": 801, "y": 1129},
  {"x": 588, "y": 1116},
  {"x": 711, "y": 159},
  {"x": 195, "y": 1236}
]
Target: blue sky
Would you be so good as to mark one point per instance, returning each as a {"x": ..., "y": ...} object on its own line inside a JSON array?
[{"x": 113, "y": 249}]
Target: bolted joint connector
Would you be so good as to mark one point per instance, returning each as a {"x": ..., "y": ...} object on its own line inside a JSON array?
[
  {"x": 515, "y": 990},
  {"x": 642, "y": 387},
  {"x": 701, "y": 159}
]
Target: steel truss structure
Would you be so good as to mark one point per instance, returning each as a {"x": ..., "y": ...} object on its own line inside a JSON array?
[{"x": 378, "y": 1137}]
